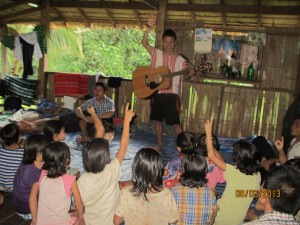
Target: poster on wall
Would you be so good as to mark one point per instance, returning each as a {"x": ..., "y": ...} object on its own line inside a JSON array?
[
  {"x": 249, "y": 54},
  {"x": 225, "y": 48},
  {"x": 203, "y": 41}
]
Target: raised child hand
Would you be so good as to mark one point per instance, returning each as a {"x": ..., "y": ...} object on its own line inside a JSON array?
[
  {"x": 208, "y": 127},
  {"x": 279, "y": 144},
  {"x": 91, "y": 110},
  {"x": 151, "y": 20},
  {"x": 128, "y": 114}
]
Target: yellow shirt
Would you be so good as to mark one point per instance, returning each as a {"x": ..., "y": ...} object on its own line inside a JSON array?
[
  {"x": 233, "y": 208},
  {"x": 100, "y": 193}
]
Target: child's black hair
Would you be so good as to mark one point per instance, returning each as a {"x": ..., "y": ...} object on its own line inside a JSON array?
[
  {"x": 34, "y": 144},
  {"x": 147, "y": 172},
  {"x": 194, "y": 169},
  {"x": 245, "y": 155},
  {"x": 56, "y": 157},
  {"x": 169, "y": 33},
  {"x": 108, "y": 128},
  {"x": 201, "y": 144},
  {"x": 294, "y": 163},
  {"x": 186, "y": 141},
  {"x": 103, "y": 85},
  {"x": 51, "y": 128},
  {"x": 95, "y": 155},
  {"x": 282, "y": 186},
  {"x": 10, "y": 134}
]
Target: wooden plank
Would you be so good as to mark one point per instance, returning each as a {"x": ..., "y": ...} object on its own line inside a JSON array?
[
  {"x": 19, "y": 14},
  {"x": 43, "y": 62},
  {"x": 160, "y": 23},
  {"x": 4, "y": 31}
]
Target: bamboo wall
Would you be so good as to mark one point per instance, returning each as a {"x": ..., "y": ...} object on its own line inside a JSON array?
[{"x": 237, "y": 111}]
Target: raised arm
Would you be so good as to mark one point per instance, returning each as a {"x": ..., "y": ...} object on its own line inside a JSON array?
[
  {"x": 125, "y": 135},
  {"x": 78, "y": 202},
  {"x": 279, "y": 146},
  {"x": 33, "y": 202},
  {"x": 151, "y": 22},
  {"x": 211, "y": 151},
  {"x": 97, "y": 123}
]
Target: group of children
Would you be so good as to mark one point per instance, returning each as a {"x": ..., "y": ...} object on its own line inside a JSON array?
[{"x": 181, "y": 193}]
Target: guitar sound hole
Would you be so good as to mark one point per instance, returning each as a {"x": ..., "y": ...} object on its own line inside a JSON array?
[{"x": 153, "y": 85}]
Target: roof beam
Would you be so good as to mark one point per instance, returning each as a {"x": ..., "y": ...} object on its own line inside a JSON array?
[
  {"x": 84, "y": 17},
  {"x": 243, "y": 9},
  {"x": 109, "y": 15},
  {"x": 152, "y": 3},
  {"x": 19, "y": 14},
  {"x": 222, "y": 2},
  {"x": 137, "y": 17},
  {"x": 102, "y": 4},
  {"x": 13, "y": 5}
]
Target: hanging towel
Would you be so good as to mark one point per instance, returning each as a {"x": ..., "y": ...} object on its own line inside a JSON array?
[{"x": 70, "y": 84}]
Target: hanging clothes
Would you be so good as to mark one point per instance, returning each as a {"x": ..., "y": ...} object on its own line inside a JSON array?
[{"x": 27, "y": 45}]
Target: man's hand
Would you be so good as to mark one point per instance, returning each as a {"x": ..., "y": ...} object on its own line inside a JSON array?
[{"x": 151, "y": 20}]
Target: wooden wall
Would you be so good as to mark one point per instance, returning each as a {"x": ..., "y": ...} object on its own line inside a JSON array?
[{"x": 237, "y": 111}]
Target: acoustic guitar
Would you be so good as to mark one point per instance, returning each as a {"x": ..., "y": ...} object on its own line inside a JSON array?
[{"x": 146, "y": 80}]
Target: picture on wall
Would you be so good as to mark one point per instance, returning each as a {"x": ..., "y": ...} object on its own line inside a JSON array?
[
  {"x": 203, "y": 41},
  {"x": 224, "y": 48}
]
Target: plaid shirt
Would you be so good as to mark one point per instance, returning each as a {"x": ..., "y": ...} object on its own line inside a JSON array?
[
  {"x": 275, "y": 218},
  {"x": 100, "y": 107},
  {"x": 195, "y": 205}
]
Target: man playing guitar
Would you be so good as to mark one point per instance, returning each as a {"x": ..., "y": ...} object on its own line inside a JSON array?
[{"x": 165, "y": 104}]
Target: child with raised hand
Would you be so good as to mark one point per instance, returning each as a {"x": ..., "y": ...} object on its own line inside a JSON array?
[
  {"x": 196, "y": 202},
  {"x": 214, "y": 173},
  {"x": 11, "y": 154},
  {"x": 54, "y": 130},
  {"x": 99, "y": 186},
  {"x": 241, "y": 179},
  {"x": 147, "y": 202},
  {"x": 185, "y": 142},
  {"x": 50, "y": 197},
  {"x": 28, "y": 173}
]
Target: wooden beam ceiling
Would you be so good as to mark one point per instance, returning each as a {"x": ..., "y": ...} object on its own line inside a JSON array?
[
  {"x": 152, "y": 3},
  {"x": 84, "y": 17},
  {"x": 145, "y": 5},
  {"x": 102, "y": 4},
  {"x": 19, "y": 14},
  {"x": 13, "y": 5},
  {"x": 242, "y": 9}
]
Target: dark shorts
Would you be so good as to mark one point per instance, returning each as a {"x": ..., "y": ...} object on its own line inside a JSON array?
[{"x": 165, "y": 106}]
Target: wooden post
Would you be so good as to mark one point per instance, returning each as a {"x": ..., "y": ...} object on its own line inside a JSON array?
[
  {"x": 160, "y": 24},
  {"x": 4, "y": 52},
  {"x": 43, "y": 62}
]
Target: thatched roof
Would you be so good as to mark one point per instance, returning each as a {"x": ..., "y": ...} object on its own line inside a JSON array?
[{"x": 221, "y": 14}]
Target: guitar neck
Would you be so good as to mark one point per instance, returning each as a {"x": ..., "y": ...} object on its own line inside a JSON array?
[{"x": 170, "y": 75}]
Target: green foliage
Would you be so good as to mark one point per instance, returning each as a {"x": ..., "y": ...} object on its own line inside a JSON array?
[{"x": 115, "y": 52}]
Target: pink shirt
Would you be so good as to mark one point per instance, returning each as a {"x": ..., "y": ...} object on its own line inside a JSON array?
[
  {"x": 54, "y": 199},
  {"x": 214, "y": 174}
]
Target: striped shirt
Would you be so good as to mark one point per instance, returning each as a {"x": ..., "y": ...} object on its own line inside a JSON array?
[
  {"x": 275, "y": 218},
  {"x": 10, "y": 161},
  {"x": 100, "y": 107},
  {"x": 175, "y": 63},
  {"x": 195, "y": 205}
]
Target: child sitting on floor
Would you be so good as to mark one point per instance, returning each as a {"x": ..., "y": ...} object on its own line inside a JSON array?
[
  {"x": 11, "y": 154},
  {"x": 99, "y": 186},
  {"x": 50, "y": 197},
  {"x": 214, "y": 174},
  {"x": 241, "y": 179},
  {"x": 196, "y": 202},
  {"x": 28, "y": 173},
  {"x": 185, "y": 142},
  {"x": 147, "y": 202},
  {"x": 54, "y": 130}
]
